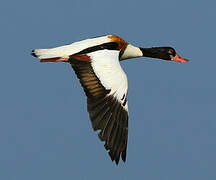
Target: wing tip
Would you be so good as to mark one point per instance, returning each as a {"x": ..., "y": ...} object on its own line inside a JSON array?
[{"x": 116, "y": 158}]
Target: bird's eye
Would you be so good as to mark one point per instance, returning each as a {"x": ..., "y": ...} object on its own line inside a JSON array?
[{"x": 170, "y": 51}]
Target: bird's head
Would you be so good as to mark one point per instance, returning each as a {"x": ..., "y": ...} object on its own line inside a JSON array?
[{"x": 165, "y": 53}]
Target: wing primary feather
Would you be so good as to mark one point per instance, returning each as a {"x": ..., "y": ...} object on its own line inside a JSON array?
[
  {"x": 109, "y": 127},
  {"x": 112, "y": 110},
  {"x": 111, "y": 152},
  {"x": 102, "y": 118},
  {"x": 115, "y": 117}
]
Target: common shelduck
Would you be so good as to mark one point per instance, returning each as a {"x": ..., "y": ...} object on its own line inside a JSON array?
[{"x": 96, "y": 64}]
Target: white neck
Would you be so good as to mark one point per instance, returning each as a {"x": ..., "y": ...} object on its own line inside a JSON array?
[{"x": 131, "y": 52}]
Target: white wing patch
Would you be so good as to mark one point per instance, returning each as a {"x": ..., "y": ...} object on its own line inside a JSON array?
[{"x": 107, "y": 68}]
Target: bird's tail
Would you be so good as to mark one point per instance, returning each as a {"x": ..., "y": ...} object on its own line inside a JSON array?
[{"x": 49, "y": 55}]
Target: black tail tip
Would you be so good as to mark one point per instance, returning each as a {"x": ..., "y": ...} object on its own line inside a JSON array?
[{"x": 33, "y": 53}]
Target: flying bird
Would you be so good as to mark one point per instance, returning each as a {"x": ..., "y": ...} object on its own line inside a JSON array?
[{"x": 96, "y": 64}]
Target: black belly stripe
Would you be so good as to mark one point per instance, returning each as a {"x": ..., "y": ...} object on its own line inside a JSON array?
[{"x": 108, "y": 46}]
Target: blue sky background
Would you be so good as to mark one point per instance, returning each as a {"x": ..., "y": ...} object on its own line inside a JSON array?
[{"x": 45, "y": 132}]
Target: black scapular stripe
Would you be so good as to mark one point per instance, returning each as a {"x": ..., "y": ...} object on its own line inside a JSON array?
[{"x": 109, "y": 46}]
